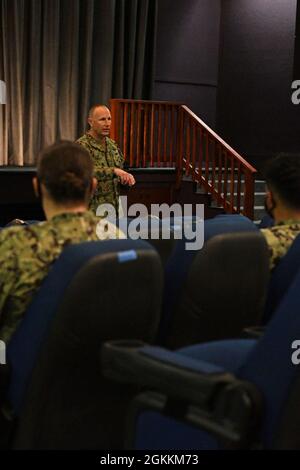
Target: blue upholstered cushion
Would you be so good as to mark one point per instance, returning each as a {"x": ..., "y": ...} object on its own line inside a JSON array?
[{"x": 26, "y": 342}]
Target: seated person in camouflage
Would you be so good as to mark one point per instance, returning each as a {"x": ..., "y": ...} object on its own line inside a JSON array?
[
  {"x": 107, "y": 157},
  {"x": 282, "y": 203},
  {"x": 65, "y": 184}
]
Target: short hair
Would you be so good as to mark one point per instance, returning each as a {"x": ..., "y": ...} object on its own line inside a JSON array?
[
  {"x": 66, "y": 170},
  {"x": 282, "y": 175},
  {"x": 95, "y": 106}
]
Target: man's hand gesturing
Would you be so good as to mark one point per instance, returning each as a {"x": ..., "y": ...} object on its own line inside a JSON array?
[{"x": 125, "y": 178}]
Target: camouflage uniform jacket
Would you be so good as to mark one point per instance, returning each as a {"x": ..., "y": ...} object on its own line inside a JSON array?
[
  {"x": 106, "y": 157},
  {"x": 26, "y": 254},
  {"x": 279, "y": 239}
]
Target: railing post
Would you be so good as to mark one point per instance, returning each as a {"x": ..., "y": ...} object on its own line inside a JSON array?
[
  {"x": 179, "y": 147},
  {"x": 114, "y": 120},
  {"x": 249, "y": 195}
]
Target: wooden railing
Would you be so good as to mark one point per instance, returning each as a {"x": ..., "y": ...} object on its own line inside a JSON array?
[
  {"x": 169, "y": 134},
  {"x": 146, "y": 131}
]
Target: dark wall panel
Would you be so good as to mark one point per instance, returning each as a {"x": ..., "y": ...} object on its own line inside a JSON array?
[
  {"x": 200, "y": 99},
  {"x": 188, "y": 54},
  {"x": 255, "y": 113}
]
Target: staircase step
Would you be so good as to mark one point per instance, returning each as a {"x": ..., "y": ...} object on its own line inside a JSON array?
[
  {"x": 260, "y": 186},
  {"x": 259, "y": 195}
]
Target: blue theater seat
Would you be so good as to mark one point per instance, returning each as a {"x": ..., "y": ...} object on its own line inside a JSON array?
[
  {"x": 226, "y": 394},
  {"x": 266, "y": 222},
  {"x": 94, "y": 292},
  {"x": 224, "y": 291},
  {"x": 185, "y": 278},
  {"x": 151, "y": 229}
]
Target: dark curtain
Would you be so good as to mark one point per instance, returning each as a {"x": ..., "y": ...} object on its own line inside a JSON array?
[{"x": 58, "y": 57}]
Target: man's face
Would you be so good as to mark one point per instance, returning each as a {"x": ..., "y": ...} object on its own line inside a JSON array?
[{"x": 100, "y": 121}]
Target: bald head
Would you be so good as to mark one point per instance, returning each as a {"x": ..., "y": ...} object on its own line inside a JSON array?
[
  {"x": 94, "y": 108},
  {"x": 100, "y": 121}
]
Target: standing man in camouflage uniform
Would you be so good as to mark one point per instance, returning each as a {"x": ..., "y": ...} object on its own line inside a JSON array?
[
  {"x": 107, "y": 157},
  {"x": 65, "y": 184},
  {"x": 283, "y": 204}
]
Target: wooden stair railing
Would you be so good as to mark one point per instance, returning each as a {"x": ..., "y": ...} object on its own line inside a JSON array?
[
  {"x": 168, "y": 134},
  {"x": 146, "y": 131},
  {"x": 219, "y": 169}
]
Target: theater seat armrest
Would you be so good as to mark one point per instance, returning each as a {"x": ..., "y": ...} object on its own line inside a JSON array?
[
  {"x": 170, "y": 372},
  {"x": 227, "y": 406}
]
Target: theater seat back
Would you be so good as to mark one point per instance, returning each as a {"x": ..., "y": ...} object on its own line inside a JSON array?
[
  {"x": 224, "y": 291},
  {"x": 115, "y": 292}
]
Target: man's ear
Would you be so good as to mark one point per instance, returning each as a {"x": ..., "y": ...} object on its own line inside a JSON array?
[
  {"x": 36, "y": 187},
  {"x": 94, "y": 183},
  {"x": 90, "y": 121}
]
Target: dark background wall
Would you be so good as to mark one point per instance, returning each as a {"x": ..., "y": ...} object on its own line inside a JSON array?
[
  {"x": 187, "y": 54},
  {"x": 231, "y": 62},
  {"x": 254, "y": 111}
]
